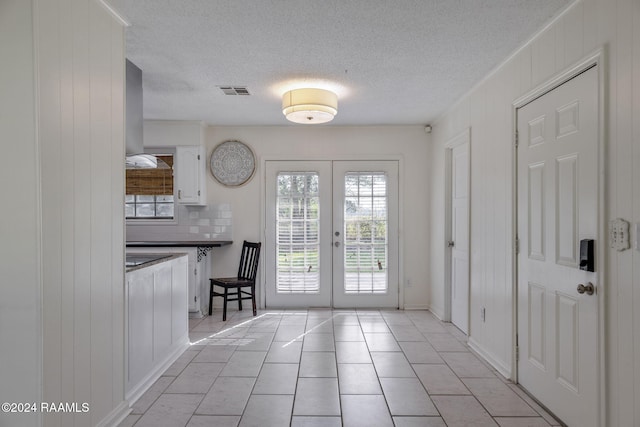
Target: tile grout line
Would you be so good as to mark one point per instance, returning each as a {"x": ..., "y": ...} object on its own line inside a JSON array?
[{"x": 361, "y": 317}]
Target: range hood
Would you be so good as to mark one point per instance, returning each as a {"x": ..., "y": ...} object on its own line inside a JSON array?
[
  {"x": 145, "y": 161},
  {"x": 134, "y": 120}
]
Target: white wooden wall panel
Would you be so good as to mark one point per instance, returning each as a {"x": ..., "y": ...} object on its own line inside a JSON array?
[
  {"x": 67, "y": 198},
  {"x": 635, "y": 183},
  {"x": 543, "y": 59},
  {"x": 20, "y": 262},
  {"x": 80, "y": 58},
  {"x": 573, "y": 35},
  {"x": 587, "y": 25},
  {"x": 117, "y": 136}
]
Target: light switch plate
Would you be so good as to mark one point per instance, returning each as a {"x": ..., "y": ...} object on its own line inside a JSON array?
[{"x": 619, "y": 234}]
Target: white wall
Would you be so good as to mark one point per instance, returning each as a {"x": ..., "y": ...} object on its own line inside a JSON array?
[
  {"x": 586, "y": 26},
  {"x": 171, "y": 133},
  {"x": 62, "y": 333},
  {"x": 20, "y": 322},
  {"x": 322, "y": 142}
]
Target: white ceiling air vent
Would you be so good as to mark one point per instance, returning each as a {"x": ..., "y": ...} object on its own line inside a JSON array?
[{"x": 234, "y": 90}]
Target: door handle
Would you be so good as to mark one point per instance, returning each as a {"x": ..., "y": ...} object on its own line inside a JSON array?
[
  {"x": 451, "y": 243},
  {"x": 588, "y": 289},
  {"x": 336, "y": 244}
]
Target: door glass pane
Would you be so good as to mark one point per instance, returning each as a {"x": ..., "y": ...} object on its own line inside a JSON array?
[
  {"x": 297, "y": 233},
  {"x": 365, "y": 233}
]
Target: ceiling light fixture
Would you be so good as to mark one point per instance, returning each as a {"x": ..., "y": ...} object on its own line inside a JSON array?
[{"x": 309, "y": 105}]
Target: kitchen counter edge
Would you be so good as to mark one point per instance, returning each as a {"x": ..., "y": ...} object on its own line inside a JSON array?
[
  {"x": 166, "y": 258},
  {"x": 180, "y": 244}
]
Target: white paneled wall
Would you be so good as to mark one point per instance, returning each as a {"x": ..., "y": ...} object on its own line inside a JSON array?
[
  {"x": 586, "y": 26},
  {"x": 68, "y": 167},
  {"x": 80, "y": 54},
  {"x": 20, "y": 325}
]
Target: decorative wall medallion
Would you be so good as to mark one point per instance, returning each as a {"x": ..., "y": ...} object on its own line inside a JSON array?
[{"x": 232, "y": 163}]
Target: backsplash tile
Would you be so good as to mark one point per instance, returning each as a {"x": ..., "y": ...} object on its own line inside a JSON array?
[{"x": 211, "y": 222}]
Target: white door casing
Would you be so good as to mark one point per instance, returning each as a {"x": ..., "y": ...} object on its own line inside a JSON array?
[
  {"x": 558, "y": 328},
  {"x": 315, "y": 276},
  {"x": 459, "y": 242}
]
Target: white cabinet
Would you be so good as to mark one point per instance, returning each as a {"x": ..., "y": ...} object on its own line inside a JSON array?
[
  {"x": 199, "y": 273},
  {"x": 191, "y": 175},
  {"x": 156, "y": 322}
]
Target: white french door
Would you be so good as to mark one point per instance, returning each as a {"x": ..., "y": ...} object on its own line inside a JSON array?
[
  {"x": 365, "y": 242},
  {"x": 298, "y": 213},
  {"x": 331, "y": 234}
]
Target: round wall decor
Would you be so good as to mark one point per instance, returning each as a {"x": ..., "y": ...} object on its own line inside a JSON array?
[{"x": 232, "y": 163}]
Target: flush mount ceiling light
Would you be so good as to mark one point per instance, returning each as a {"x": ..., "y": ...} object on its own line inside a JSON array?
[{"x": 309, "y": 105}]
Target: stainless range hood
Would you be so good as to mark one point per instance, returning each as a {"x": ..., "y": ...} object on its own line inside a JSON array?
[{"x": 134, "y": 121}]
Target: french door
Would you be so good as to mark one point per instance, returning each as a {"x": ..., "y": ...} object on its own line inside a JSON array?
[{"x": 331, "y": 234}]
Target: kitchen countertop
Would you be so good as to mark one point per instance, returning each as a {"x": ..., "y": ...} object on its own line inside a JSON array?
[
  {"x": 161, "y": 258},
  {"x": 180, "y": 243}
]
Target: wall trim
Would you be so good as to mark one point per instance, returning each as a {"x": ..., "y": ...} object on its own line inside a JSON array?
[
  {"x": 116, "y": 416},
  {"x": 436, "y": 312},
  {"x": 499, "y": 365},
  {"x": 144, "y": 384},
  {"x": 408, "y": 307},
  {"x": 114, "y": 13},
  {"x": 598, "y": 59},
  {"x": 509, "y": 58}
]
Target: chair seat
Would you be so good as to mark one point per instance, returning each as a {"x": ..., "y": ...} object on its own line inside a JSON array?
[{"x": 231, "y": 282}]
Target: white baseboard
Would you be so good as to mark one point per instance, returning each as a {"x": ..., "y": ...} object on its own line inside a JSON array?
[
  {"x": 416, "y": 307},
  {"x": 436, "y": 312},
  {"x": 499, "y": 365},
  {"x": 143, "y": 385},
  {"x": 115, "y": 417}
]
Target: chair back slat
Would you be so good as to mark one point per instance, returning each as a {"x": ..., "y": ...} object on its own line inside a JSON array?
[{"x": 248, "y": 268}]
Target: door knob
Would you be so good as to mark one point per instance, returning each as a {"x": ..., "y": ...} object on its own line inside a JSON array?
[
  {"x": 336, "y": 244},
  {"x": 588, "y": 289},
  {"x": 451, "y": 243}
]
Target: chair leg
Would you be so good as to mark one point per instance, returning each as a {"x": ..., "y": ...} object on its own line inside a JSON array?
[
  {"x": 224, "y": 309},
  {"x": 210, "y": 297},
  {"x": 253, "y": 299},
  {"x": 239, "y": 298}
]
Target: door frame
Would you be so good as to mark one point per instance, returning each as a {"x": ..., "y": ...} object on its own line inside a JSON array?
[
  {"x": 462, "y": 138},
  {"x": 262, "y": 159},
  {"x": 596, "y": 59}
]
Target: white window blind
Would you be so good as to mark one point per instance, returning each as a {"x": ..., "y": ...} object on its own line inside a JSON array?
[
  {"x": 297, "y": 233},
  {"x": 365, "y": 231}
]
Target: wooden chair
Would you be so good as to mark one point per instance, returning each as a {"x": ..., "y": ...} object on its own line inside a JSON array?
[{"x": 246, "y": 279}]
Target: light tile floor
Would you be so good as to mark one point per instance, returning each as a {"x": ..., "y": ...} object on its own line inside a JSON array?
[{"x": 370, "y": 368}]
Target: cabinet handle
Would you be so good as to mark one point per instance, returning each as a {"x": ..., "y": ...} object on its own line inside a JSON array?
[{"x": 179, "y": 194}]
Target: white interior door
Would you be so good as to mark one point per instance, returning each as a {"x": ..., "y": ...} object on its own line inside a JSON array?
[
  {"x": 331, "y": 234},
  {"x": 459, "y": 242},
  {"x": 365, "y": 238},
  {"x": 557, "y": 207}
]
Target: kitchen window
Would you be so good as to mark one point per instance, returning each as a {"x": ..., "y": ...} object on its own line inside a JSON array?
[
  {"x": 148, "y": 206},
  {"x": 149, "y": 187}
]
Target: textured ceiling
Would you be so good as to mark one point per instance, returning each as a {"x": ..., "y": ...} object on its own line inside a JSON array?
[{"x": 390, "y": 62}]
